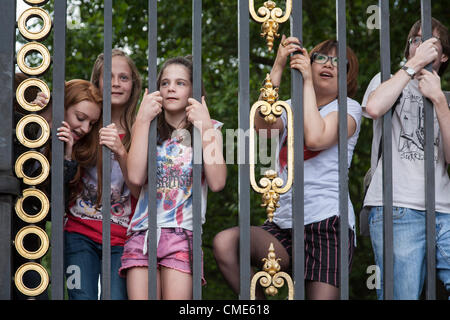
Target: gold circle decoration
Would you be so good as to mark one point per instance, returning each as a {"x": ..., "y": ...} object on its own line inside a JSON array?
[
  {"x": 31, "y": 266},
  {"x": 33, "y": 46},
  {"x": 20, "y": 131},
  {"x": 36, "y": 2},
  {"x": 32, "y": 255},
  {"x": 23, "y": 86},
  {"x": 30, "y": 13},
  {"x": 45, "y": 206},
  {"x": 45, "y": 166}
]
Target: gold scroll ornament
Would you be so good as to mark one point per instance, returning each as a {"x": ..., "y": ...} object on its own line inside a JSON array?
[
  {"x": 271, "y": 186},
  {"x": 271, "y": 278},
  {"x": 270, "y": 16}
]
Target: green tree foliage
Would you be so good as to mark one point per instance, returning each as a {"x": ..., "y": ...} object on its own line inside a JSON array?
[{"x": 220, "y": 76}]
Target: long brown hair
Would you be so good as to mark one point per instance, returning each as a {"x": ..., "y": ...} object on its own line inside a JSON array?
[
  {"x": 352, "y": 67},
  {"x": 128, "y": 114},
  {"x": 165, "y": 129},
  {"x": 84, "y": 151}
]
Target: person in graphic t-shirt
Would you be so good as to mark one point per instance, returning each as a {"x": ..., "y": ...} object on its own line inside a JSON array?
[
  {"x": 321, "y": 186},
  {"x": 406, "y": 90},
  {"x": 178, "y": 114},
  {"x": 83, "y": 224}
]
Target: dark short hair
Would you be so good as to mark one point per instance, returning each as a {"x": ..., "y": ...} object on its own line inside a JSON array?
[
  {"x": 442, "y": 30},
  {"x": 352, "y": 68}
]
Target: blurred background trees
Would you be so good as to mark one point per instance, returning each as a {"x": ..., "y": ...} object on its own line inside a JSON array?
[{"x": 220, "y": 76}]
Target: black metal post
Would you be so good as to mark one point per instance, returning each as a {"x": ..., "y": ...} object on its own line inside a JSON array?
[
  {"x": 57, "y": 178},
  {"x": 9, "y": 185},
  {"x": 342, "y": 148},
  {"x": 106, "y": 172},
  {"x": 298, "y": 212},
  {"x": 243, "y": 149}
]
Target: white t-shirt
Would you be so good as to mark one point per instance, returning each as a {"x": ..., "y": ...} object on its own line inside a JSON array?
[
  {"x": 321, "y": 176},
  {"x": 407, "y": 154}
]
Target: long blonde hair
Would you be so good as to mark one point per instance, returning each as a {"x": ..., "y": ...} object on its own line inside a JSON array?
[{"x": 129, "y": 112}]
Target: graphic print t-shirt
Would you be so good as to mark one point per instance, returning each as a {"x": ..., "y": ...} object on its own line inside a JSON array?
[
  {"x": 408, "y": 154},
  {"x": 174, "y": 187},
  {"x": 86, "y": 219}
]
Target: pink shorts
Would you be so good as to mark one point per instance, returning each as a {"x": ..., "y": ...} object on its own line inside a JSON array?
[{"x": 174, "y": 251}]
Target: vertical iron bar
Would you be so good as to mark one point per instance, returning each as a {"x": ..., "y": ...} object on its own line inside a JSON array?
[
  {"x": 243, "y": 149},
  {"x": 388, "y": 230},
  {"x": 429, "y": 167},
  {"x": 342, "y": 147},
  {"x": 152, "y": 178},
  {"x": 197, "y": 156},
  {"x": 7, "y": 39},
  {"x": 298, "y": 216},
  {"x": 106, "y": 159},
  {"x": 57, "y": 178}
]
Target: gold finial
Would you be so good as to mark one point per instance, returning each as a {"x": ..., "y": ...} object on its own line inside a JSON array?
[
  {"x": 271, "y": 278},
  {"x": 270, "y": 16}
]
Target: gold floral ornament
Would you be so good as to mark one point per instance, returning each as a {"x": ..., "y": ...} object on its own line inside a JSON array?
[
  {"x": 272, "y": 278},
  {"x": 271, "y": 186},
  {"x": 270, "y": 16}
]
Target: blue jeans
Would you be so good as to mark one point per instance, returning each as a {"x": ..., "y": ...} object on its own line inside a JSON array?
[
  {"x": 410, "y": 250},
  {"x": 83, "y": 265}
]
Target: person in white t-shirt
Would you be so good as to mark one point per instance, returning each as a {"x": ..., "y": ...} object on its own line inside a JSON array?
[
  {"x": 407, "y": 90},
  {"x": 321, "y": 182}
]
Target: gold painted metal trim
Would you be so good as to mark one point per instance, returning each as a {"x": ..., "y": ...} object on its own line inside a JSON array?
[
  {"x": 45, "y": 168},
  {"x": 30, "y": 13},
  {"x": 270, "y": 16},
  {"x": 36, "y": 2},
  {"x": 41, "y": 140},
  {"x": 31, "y": 266},
  {"x": 33, "y": 46},
  {"x": 271, "y": 186},
  {"x": 32, "y": 255},
  {"x": 271, "y": 278},
  {"x": 45, "y": 206},
  {"x": 23, "y": 86}
]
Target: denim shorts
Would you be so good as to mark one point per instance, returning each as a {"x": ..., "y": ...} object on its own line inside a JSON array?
[{"x": 174, "y": 251}]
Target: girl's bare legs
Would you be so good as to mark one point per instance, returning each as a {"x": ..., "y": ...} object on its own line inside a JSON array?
[
  {"x": 226, "y": 253},
  {"x": 175, "y": 285},
  {"x": 321, "y": 291},
  {"x": 137, "y": 283}
]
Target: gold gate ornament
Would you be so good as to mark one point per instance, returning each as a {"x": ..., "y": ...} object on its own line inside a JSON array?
[
  {"x": 44, "y": 131},
  {"x": 271, "y": 278},
  {"x": 30, "y": 13},
  {"x": 45, "y": 167},
  {"x": 24, "y": 252},
  {"x": 271, "y": 17},
  {"x": 27, "y": 217},
  {"x": 31, "y": 266},
  {"x": 271, "y": 186},
  {"x": 23, "y": 86}
]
